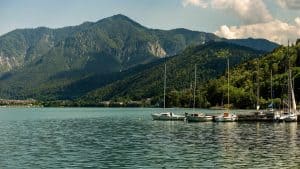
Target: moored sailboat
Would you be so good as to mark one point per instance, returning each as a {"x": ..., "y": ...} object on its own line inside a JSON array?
[
  {"x": 268, "y": 114},
  {"x": 166, "y": 116},
  {"x": 197, "y": 117},
  {"x": 290, "y": 114},
  {"x": 226, "y": 116}
]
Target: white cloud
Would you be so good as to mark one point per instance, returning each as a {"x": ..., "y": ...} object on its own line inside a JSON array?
[
  {"x": 198, "y": 3},
  {"x": 297, "y": 20},
  {"x": 290, "y": 4},
  {"x": 257, "y": 19},
  {"x": 275, "y": 30},
  {"x": 249, "y": 11}
]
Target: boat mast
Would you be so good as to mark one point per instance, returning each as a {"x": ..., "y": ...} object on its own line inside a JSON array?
[
  {"x": 165, "y": 83},
  {"x": 272, "y": 88},
  {"x": 258, "y": 88},
  {"x": 228, "y": 82},
  {"x": 292, "y": 94},
  {"x": 289, "y": 80},
  {"x": 195, "y": 88},
  {"x": 292, "y": 100}
]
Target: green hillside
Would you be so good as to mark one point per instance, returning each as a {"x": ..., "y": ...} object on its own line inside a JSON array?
[
  {"x": 257, "y": 44},
  {"x": 210, "y": 92},
  {"x": 244, "y": 80},
  {"x": 118, "y": 37},
  {"x": 148, "y": 83},
  {"x": 45, "y": 59},
  {"x": 67, "y": 63}
]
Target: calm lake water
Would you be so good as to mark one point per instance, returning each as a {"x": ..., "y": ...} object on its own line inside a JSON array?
[{"x": 128, "y": 138}]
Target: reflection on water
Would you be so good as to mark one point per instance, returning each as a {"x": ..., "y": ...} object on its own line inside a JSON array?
[{"x": 128, "y": 138}]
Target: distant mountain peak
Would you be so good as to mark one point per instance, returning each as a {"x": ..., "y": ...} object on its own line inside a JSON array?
[
  {"x": 255, "y": 43},
  {"x": 120, "y": 17}
]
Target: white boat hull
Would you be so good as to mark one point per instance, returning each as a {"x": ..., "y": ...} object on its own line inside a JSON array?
[
  {"x": 226, "y": 118},
  {"x": 288, "y": 118},
  {"x": 198, "y": 118},
  {"x": 167, "y": 117}
]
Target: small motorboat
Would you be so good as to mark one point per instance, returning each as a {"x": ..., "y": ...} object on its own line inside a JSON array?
[
  {"x": 226, "y": 117},
  {"x": 167, "y": 116},
  {"x": 198, "y": 117}
]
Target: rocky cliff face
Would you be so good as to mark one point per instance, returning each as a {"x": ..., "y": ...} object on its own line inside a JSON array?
[
  {"x": 20, "y": 47},
  {"x": 7, "y": 63},
  {"x": 156, "y": 49}
]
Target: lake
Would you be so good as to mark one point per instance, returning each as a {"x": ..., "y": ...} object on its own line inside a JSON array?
[{"x": 129, "y": 138}]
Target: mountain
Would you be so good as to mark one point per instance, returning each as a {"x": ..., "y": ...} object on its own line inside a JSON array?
[
  {"x": 46, "y": 63},
  {"x": 257, "y": 44},
  {"x": 148, "y": 83},
  {"x": 212, "y": 88},
  {"x": 21, "y": 46},
  {"x": 43, "y": 58},
  {"x": 117, "y": 40}
]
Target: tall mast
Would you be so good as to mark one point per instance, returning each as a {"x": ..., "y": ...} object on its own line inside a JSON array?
[
  {"x": 165, "y": 83},
  {"x": 195, "y": 87},
  {"x": 292, "y": 94},
  {"x": 289, "y": 80},
  {"x": 272, "y": 88},
  {"x": 292, "y": 100},
  {"x": 228, "y": 81},
  {"x": 258, "y": 88}
]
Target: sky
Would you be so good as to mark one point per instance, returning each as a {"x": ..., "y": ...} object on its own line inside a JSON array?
[{"x": 275, "y": 20}]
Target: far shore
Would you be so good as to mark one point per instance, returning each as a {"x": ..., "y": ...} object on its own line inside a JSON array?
[{"x": 104, "y": 104}]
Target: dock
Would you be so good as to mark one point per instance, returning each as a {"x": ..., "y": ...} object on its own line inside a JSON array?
[{"x": 259, "y": 116}]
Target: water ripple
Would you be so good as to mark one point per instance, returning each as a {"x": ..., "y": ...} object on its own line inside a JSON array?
[{"x": 128, "y": 138}]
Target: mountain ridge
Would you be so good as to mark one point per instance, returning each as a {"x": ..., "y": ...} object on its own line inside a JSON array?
[
  {"x": 44, "y": 39},
  {"x": 147, "y": 83},
  {"x": 41, "y": 59}
]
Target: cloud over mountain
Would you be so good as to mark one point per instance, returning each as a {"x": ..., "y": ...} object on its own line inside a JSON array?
[
  {"x": 198, "y": 3},
  {"x": 256, "y": 19},
  {"x": 249, "y": 11},
  {"x": 290, "y": 4},
  {"x": 276, "y": 30}
]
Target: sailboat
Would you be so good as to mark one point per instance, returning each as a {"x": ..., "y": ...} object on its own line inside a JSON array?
[
  {"x": 197, "y": 117},
  {"x": 290, "y": 114},
  {"x": 226, "y": 116},
  {"x": 260, "y": 115},
  {"x": 269, "y": 114},
  {"x": 167, "y": 116}
]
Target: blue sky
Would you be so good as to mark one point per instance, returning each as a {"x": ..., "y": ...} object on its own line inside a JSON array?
[{"x": 280, "y": 19}]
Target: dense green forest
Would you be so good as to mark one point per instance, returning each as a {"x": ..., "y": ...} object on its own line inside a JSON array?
[
  {"x": 245, "y": 77},
  {"x": 43, "y": 61},
  {"x": 116, "y": 59},
  {"x": 148, "y": 83}
]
